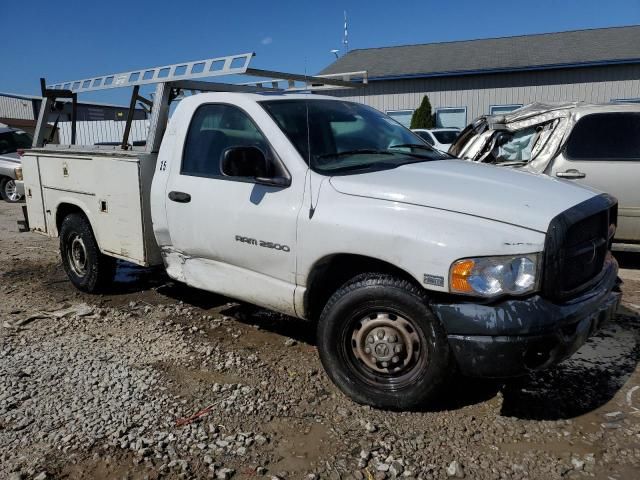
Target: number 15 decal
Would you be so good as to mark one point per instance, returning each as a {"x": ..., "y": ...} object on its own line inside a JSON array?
[{"x": 163, "y": 165}]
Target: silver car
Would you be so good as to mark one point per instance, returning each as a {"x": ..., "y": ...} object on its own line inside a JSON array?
[
  {"x": 595, "y": 145},
  {"x": 12, "y": 144}
]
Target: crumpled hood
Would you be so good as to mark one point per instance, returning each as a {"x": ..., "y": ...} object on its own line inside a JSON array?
[{"x": 503, "y": 194}]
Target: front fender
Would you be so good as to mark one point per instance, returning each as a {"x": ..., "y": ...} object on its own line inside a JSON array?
[{"x": 8, "y": 168}]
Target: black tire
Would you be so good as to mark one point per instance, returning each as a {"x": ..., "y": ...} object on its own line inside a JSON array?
[
  {"x": 78, "y": 248},
  {"x": 5, "y": 184},
  {"x": 394, "y": 305}
]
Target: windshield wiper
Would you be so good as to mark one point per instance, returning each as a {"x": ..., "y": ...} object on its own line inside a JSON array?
[
  {"x": 512, "y": 163},
  {"x": 360, "y": 151},
  {"x": 413, "y": 145},
  {"x": 428, "y": 148}
]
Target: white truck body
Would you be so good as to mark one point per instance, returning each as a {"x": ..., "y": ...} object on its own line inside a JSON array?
[
  {"x": 409, "y": 261},
  {"x": 111, "y": 187}
]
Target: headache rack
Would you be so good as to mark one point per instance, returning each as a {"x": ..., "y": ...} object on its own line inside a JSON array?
[{"x": 174, "y": 82}]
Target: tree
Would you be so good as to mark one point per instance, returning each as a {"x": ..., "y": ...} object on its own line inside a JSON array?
[{"x": 422, "y": 117}]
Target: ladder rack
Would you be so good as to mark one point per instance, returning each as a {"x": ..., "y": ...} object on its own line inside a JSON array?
[
  {"x": 171, "y": 83},
  {"x": 211, "y": 67},
  {"x": 318, "y": 82}
]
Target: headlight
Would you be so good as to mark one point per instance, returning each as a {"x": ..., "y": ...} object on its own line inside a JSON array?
[
  {"x": 493, "y": 276},
  {"x": 18, "y": 172}
]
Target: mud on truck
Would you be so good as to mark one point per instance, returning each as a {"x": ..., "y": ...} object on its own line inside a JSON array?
[{"x": 411, "y": 264}]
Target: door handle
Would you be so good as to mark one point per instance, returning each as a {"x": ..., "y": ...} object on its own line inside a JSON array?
[
  {"x": 571, "y": 173},
  {"x": 180, "y": 197}
]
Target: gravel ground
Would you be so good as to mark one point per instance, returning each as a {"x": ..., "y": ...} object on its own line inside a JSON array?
[{"x": 154, "y": 380}]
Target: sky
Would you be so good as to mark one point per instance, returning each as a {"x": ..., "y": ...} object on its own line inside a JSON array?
[{"x": 71, "y": 40}]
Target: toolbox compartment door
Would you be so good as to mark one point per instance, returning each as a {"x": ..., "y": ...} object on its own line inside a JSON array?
[{"x": 33, "y": 193}]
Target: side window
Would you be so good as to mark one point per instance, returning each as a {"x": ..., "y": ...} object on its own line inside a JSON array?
[
  {"x": 22, "y": 139},
  {"x": 605, "y": 136},
  {"x": 213, "y": 129},
  {"x": 426, "y": 136},
  {"x": 401, "y": 116},
  {"x": 455, "y": 117},
  {"x": 6, "y": 143}
]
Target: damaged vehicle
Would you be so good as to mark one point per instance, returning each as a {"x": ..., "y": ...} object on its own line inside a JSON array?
[
  {"x": 410, "y": 265},
  {"x": 593, "y": 145}
]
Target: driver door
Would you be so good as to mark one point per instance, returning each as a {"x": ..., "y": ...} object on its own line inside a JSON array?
[{"x": 238, "y": 237}]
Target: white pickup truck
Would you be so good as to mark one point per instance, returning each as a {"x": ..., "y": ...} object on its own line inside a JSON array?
[{"x": 412, "y": 264}]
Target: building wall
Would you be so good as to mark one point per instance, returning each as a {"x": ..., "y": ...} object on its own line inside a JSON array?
[
  {"x": 478, "y": 92},
  {"x": 16, "y": 108}
]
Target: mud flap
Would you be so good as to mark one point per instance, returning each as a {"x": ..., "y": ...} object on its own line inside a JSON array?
[{"x": 23, "y": 225}]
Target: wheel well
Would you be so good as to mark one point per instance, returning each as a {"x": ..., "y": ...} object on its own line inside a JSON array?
[
  {"x": 65, "y": 209},
  {"x": 332, "y": 272}
]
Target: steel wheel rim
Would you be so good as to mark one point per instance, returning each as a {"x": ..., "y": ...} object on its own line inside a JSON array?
[
  {"x": 77, "y": 255},
  {"x": 11, "y": 190},
  {"x": 373, "y": 340}
]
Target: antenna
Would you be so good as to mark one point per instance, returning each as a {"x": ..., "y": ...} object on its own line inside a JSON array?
[
  {"x": 335, "y": 52},
  {"x": 345, "y": 38},
  {"x": 312, "y": 209}
]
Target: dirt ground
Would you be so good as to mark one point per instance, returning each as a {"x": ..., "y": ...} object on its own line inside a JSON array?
[{"x": 104, "y": 387}]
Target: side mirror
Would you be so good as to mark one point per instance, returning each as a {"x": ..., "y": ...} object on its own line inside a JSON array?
[{"x": 249, "y": 161}]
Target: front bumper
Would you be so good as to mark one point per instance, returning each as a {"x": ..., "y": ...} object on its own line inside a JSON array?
[{"x": 514, "y": 337}]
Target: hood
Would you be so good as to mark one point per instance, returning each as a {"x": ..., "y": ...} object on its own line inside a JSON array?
[
  {"x": 10, "y": 157},
  {"x": 506, "y": 195}
]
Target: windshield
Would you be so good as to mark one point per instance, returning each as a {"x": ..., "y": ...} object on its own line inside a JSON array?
[
  {"x": 11, "y": 142},
  {"x": 345, "y": 137},
  {"x": 521, "y": 146},
  {"x": 446, "y": 136}
]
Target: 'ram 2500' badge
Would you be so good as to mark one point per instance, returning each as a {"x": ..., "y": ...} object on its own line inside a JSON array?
[{"x": 262, "y": 243}]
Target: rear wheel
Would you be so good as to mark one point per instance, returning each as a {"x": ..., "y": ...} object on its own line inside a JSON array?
[
  {"x": 381, "y": 345},
  {"x": 9, "y": 190},
  {"x": 87, "y": 268}
]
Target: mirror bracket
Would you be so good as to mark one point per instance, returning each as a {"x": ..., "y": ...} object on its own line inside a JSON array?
[{"x": 281, "y": 182}]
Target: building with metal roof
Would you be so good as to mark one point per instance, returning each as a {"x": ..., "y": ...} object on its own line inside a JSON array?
[{"x": 465, "y": 79}]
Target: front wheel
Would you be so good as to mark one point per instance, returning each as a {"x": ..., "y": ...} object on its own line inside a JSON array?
[
  {"x": 87, "y": 268},
  {"x": 9, "y": 190},
  {"x": 381, "y": 345}
]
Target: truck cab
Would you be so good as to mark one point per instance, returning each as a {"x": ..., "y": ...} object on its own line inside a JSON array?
[{"x": 411, "y": 264}]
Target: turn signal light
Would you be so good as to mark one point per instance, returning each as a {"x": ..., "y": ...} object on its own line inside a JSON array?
[{"x": 460, "y": 273}]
